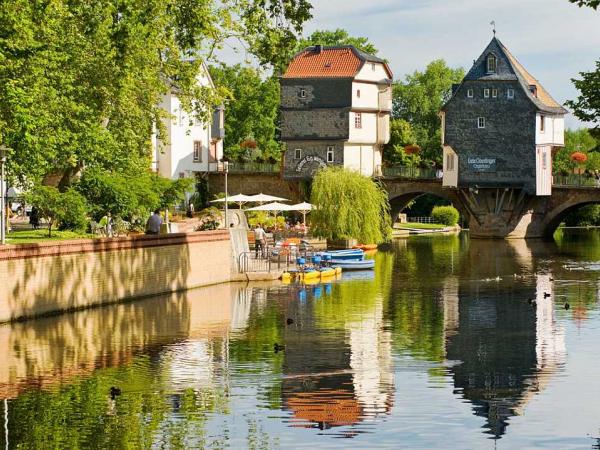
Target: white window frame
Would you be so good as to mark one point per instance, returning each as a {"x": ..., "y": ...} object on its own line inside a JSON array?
[
  {"x": 481, "y": 122},
  {"x": 469, "y": 93},
  {"x": 373, "y": 67},
  {"x": 510, "y": 93},
  {"x": 330, "y": 153},
  {"x": 494, "y": 92},
  {"x": 544, "y": 160},
  {"x": 542, "y": 123},
  {"x": 197, "y": 155},
  {"x": 491, "y": 59},
  {"x": 358, "y": 120},
  {"x": 450, "y": 162},
  {"x": 486, "y": 93},
  {"x": 298, "y": 153},
  {"x": 302, "y": 93}
]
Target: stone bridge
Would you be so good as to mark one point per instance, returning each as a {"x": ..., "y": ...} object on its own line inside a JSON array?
[{"x": 491, "y": 212}]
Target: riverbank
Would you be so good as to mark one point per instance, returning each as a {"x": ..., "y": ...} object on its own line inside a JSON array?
[{"x": 58, "y": 276}]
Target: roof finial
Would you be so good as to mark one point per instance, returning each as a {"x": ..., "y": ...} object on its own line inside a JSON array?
[{"x": 493, "y": 24}]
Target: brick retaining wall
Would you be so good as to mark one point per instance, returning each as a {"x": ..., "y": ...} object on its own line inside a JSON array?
[{"x": 48, "y": 277}]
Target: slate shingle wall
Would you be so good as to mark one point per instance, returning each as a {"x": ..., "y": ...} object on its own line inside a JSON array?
[{"x": 305, "y": 168}]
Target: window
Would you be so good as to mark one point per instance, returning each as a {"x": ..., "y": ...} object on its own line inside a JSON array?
[
  {"x": 330, "y": 154},
  {"x": 197, "y": 151},
  {"x": 470, "y": 93},
  {"x": 481, "y": 122},
  {"x": 358, "y": 93},
  {"x": 510, "y": 93},
  {"x": 181, "y": 174},
  {"x": 544, "y": 160},
  {"x": 486, "y": 93},
  {"x": 357, "y": 120},
  {"x": 302, "y": 93},
  {"x": 298, "y": 153},
  {"x": 542, "y": 123},
  {"x": 494, "y": 93},
  {"x": 449, "y": 162},
  {"x": 373, "y": 67},
  {"x": 491, "y": 64}
]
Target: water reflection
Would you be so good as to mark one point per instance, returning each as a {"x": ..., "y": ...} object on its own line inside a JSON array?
[{"x": 484, "y": 323}]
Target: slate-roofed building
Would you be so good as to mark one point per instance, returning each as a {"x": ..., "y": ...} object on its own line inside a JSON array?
[
  {"x": 335, "y": 110},
  {"x": 500, "y": 127}
]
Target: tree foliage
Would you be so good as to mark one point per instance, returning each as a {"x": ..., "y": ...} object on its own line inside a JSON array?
[
  {"x": 81, "y": 81},
  {"x": 582, "y": 141},
  {"x": 401, "y": 135},
  {"x": 66, "y": 210},
  {"x": 446, "y": 215},
  {"x": 336, "y": 37},
  {"x": 349, "y": 205},
  {"x": 587, "y": 105},
  {"x": 591, "y": 3},
  {"x": 252, "y": 112},
  {"x": 418, "y": 100}
]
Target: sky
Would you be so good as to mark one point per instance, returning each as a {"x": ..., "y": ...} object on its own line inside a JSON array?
[{"x": 553, "y": 39}]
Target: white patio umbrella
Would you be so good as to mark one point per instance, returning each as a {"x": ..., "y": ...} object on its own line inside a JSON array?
[
  {"x": 262, "y": 198},
  {"x": 303, "y": 208},
  {"x": 240, "y": 199},
  {"x": 275, "y": 206}
]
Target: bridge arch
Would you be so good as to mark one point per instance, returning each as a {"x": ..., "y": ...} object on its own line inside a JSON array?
[{"x": 560, "y": 210}]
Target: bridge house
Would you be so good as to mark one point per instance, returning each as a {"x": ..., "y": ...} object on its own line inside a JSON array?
[
  {"x": 335, "y": 110},
  {"x": 500, "y": 127}
]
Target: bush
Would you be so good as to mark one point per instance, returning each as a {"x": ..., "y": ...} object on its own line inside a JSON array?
[
  {"x": 446, "y": 215},
  {"x": 67, "y": 211}
]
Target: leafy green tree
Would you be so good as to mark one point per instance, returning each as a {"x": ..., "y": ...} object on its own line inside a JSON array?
[
  {"x": 81, "y": 81},
  {"x": 580, "y": 140},
  {"x": 251, "y": 115},
  {"x": 336, "y": 37},
  {"x": 67, "y": 210},
  {"x": 349, "y": 205},
  {"x": 587, "y": 105},
  {"x": 401, "y": 135},
  {"x": 591, "y": 3},
  {"x": 418, "y": 100}
]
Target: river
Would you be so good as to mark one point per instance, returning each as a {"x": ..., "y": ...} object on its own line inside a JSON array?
[{"x": 451, "y": 343}]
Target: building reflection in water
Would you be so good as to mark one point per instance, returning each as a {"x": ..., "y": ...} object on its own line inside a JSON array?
[
  {"x": 503, "y": 334},
  {"x": 338, "y": 367}
]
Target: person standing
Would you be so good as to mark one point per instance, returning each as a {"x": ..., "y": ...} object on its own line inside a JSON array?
[
  {"x": 34, "y": 218},
  {"x": 106, "y": 223},
  {"x": 154, "y": 222},
  {"x": 260, "y": 240}
]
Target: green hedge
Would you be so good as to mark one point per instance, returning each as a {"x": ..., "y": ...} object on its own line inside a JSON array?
[{"x": 446, "y": 215}]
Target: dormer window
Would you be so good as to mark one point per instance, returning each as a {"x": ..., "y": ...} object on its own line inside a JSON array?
[
  {"x": 491, "y": 64},
  {"x": 533, "y": 89}
]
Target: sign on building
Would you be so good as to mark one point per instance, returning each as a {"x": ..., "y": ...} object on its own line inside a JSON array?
[{"x": 482, "y": 164}]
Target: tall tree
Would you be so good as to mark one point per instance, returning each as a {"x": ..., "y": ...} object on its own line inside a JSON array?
[
  {"x": 418, "y": 100},
  {"x": 80, "y": 81},
  {"x": 591, "y": 3},
  {"x": 251, "y": 115},
  {"x": 337, "y": 37},
  {"x": 587, "y": 105}
]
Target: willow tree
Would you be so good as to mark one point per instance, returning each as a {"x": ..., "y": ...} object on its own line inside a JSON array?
[{"x": 349, "y": 205}]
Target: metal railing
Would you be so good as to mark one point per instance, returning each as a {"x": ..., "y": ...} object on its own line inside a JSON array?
[
  {"x": 574, "y": 180},
  {"x": 253, "y": 167},
  {"x": 410, "y": 173},
  {"x": 266, "y": 261},
  {"x": 423, "y": 219}
]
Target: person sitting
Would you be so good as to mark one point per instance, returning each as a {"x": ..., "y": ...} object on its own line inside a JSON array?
[{"x": 154, "y": 222}]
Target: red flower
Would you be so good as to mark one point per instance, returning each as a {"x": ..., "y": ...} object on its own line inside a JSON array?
[
  {"x": 412, "y": 149},
  {"x": 578, "y": 157}
]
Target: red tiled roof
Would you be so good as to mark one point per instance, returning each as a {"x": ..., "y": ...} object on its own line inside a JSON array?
[{"x": 332, "y": 62}]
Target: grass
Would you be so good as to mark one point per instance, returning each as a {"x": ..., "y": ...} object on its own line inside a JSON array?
[
  {"x": 421, "y": 226},
  {"x": 34, "y": 236}
]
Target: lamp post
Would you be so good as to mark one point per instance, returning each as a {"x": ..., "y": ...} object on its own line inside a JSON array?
[
  {"x": 3, "y": 218},
  {"x": 225, "y": 169}
]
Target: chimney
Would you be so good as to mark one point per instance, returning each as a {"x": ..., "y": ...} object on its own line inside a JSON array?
[{"x": 318, "y": 49}]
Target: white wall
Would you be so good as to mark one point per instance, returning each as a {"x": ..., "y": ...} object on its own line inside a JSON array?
[
  {"x": 362, "y": 158},
  {"x": 450, "y": 176},
  {"x": 367, "y": 72},
  {"x": 553, "y": 130},
  {"x": 369, "y": 95},
  {"x": 368, "y": 133},
  {"x": 543, "y": 169}
]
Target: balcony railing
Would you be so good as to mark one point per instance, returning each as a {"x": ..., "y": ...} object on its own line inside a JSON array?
[
  {"x": 574, "y": 180},
  {"x": 410, "y": 173},
  {"x": 253, "y": 167}
]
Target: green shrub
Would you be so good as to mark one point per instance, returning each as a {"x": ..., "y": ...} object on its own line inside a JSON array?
[
  {"x": 65, "y": 210},
  {"x": 446, "y": 215}
]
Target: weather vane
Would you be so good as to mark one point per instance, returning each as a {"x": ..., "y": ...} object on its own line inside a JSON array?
[{"x": 493, "y": 24}]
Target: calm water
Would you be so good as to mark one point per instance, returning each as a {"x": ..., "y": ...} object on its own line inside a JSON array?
[{"x": 443, "y": 347}]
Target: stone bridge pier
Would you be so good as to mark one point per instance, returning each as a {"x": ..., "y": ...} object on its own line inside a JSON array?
[{"x": 499, "y": 212}]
